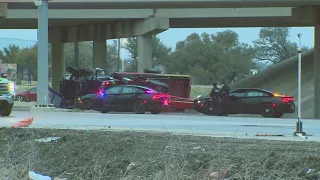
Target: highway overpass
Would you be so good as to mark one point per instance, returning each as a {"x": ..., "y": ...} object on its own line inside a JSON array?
[{"x": 99, "y": 20}]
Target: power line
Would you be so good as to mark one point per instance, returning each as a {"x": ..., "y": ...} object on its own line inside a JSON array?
[
  {"x": 14, "y": 39},
  {"x": 23, "y": 43}
]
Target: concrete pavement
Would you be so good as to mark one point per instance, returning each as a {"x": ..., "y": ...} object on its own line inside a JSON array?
[{"x": 239, "y": 127}]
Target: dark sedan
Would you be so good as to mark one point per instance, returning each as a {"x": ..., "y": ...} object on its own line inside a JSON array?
[
  {"x": 251, "y": 101},
  {"x": 125, "y": 98}
]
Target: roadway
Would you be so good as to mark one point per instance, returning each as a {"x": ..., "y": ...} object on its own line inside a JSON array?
[{"x": 239, "y": 127}]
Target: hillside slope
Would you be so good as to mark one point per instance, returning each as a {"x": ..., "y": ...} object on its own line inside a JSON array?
[{"x": 282, "y": 78}]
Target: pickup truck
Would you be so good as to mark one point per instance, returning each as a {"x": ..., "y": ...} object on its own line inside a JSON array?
[{"x": 7, "y": 91}]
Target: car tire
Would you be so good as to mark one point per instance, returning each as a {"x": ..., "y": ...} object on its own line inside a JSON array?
[
  {"x": 87, "y": 104},
  {"x": 267, "y": 111},
  {"x": 223, "y": 114},
  {"x": 20, "y": 98},
  {"x": 155, "y": 111},
  {"x": 104, "y": 111},
  {"x": 139, "y": 107},
  {"x": 278, "y": 115},
  {"x": 6, "y": 109}
]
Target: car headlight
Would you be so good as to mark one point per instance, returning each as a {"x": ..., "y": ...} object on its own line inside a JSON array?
[
  {"x": 11, "y": 87},
  {"x": 198, "y": 102},
  {"x": 79, "y": 100}
]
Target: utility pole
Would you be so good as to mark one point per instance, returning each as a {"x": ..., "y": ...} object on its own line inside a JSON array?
[{"x": 119, "y": 59}]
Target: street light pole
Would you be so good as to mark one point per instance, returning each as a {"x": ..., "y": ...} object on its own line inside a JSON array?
[
  {"x": 299, "y": 127},
  {"x": 119, "y": 59}
]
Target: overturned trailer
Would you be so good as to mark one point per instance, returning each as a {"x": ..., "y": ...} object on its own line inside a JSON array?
[{"x": 86, "y": 81}]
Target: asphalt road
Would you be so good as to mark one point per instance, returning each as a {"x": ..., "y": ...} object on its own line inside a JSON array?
[{"x": 242, "y": 127}]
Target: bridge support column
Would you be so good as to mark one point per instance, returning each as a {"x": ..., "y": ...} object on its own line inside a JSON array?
[
  {"x": 3, "y": 10},
  {"x": 100, "y": 54},
  {"x": 145, "y": 48},
  {"x": 43, "y": 59},
  {"x": 58, "y": 64},
  {"x": 317, "y": 71}
]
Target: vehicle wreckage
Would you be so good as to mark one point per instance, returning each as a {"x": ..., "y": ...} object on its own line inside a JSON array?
[{"x": 88, "y": 81}]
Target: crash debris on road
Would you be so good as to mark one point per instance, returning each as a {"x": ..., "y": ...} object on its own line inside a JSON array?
[{"x": 132, "y": 155}]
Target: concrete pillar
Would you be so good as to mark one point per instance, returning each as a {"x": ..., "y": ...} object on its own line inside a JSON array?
[
  {"x": 3, "y": 10},
  {"x": 100, "y": 54},
  {"x": 76, "y": 54},
  {"x": 145, "y": 52},
  {"x": 43, "y": 51},
  {"x": 317, "y": 71},
  {"x": 58, "y": 64}
]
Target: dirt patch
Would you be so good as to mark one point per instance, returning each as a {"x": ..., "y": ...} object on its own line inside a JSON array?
[{"x": 129, "y": 155}]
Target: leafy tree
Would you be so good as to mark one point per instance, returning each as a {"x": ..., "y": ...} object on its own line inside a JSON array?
[
  {"x": 10, "y": 54},
  {"x": 159, "y": 53},
  {"x": 215, "y": 57},
  {"x": 86, "y": 55},
  {"x": 25, "y": 58},
  {"x": 112, "y": 57},
  {"x": 28, "y": 61},
  {"x": 274, "y": 45}
]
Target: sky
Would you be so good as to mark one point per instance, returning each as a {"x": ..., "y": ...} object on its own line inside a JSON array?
[{"x": 170, "y": 37}]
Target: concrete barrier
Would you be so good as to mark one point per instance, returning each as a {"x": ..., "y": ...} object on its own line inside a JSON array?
[{"x": 21, "y": 108}]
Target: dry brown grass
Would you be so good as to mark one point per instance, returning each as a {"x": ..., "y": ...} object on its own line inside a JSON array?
[{"x": 131, "y": 156}]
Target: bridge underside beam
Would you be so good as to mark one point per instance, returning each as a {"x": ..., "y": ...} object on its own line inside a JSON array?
[
  {"x": 3, "y": 10},
  {"x": 308, "y": 15},
  {"x": 145, "y": 4},
  {"x": 145, "y": 13},
  {"x": 123, "y": 29},
  {"x": 237, "y": 22},
  {"x": 173, "y": 22}
]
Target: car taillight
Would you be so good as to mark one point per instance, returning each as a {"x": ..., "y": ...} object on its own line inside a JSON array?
[
  {"x": 287, "y": 99},
  {"x": 159, "y": 96}
]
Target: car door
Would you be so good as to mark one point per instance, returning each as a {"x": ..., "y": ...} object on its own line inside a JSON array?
[
  {"x": 127, "y": 97},
  {"x": 236, "y": 103},
  {"x": 253, "y": 101},
  {"x": 31, "y": 95},
  {"x": 110, "y": 97}
]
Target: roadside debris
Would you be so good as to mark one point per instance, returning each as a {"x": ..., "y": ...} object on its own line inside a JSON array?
[
  {"x": 23, "y": 123},
  {"x": 310, "y": 171},
  {"x": 37, "y": 176},
  {"x": 49, "y": 139},
  {"x": 269, "y": 135}
]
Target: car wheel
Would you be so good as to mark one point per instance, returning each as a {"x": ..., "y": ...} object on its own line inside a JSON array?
[
  {"x": 87, "y": 104},
  {"x": 6, "y": 109},
  {"x": 104, "y": 111},
  {"x": 139, "y": 107},
  {"x": 267, "y": 110},
  {"x": 155, "y": 112},
  {"x": 278, "y": 115},
  {"x": 20, "y": 98},
  {"x": 223, "y": 114}
]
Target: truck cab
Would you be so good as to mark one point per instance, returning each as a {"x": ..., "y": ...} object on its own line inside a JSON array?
[{"x": 7, "y": 91}]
